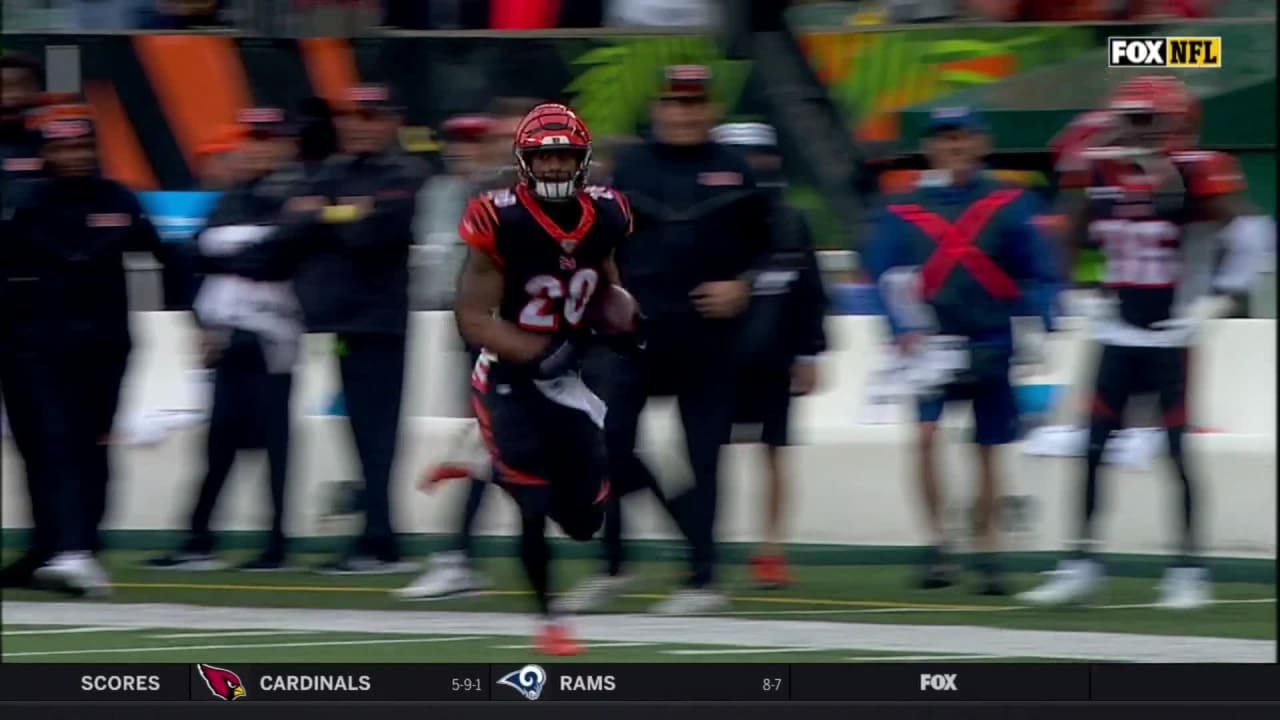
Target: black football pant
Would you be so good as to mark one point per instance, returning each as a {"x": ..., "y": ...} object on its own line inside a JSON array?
[
  {"x": 594, "y": 374},
  {"x": 547, "y": 447},
  {"x": 1122, "y": 373},
  {"x": 699, "y": 375},
  {"x": 372, "y": 369},
  {"x": 61, "y": 408},
  {"x": 250, "y": 411},
  {"x": 36, "y": 424}
]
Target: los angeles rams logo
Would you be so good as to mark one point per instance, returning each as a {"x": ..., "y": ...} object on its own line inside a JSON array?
[{"x": 528, "y": 681}]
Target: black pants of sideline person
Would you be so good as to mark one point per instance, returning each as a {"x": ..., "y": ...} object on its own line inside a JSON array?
[
  {"x": 372, "y": 370},
  {"x": 37, "y": 426},
  {"x": 700, "y": 378},
  {"x": 62, "y": 405},
  {"x": 250, "y": 411}
]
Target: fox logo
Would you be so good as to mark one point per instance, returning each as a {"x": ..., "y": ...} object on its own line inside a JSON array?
[{"x": 222, "y": 683}]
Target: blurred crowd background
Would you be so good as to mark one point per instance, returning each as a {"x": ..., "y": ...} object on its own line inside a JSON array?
[
  {"x": 850, "y": 100},
  {"x": 360, "y": 16}
]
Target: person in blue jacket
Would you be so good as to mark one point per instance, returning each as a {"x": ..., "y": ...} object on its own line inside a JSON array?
[{"x": 955, "y": 260}]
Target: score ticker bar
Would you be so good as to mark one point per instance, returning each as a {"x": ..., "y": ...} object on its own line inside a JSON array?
[{"x": 755, "y": 682}]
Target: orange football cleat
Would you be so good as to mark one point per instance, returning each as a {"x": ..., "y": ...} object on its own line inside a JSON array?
[{"x": 555, "y": 640}]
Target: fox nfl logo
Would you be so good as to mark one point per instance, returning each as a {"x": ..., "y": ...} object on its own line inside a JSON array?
[{"x": 1166, "y": 52}]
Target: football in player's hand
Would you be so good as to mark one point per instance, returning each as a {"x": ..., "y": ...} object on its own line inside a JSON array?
[{"x": 614, "y": 312}]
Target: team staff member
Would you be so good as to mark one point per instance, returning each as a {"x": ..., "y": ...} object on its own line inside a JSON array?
[
  {"x": 347, "y": 251},
  {"x": 980, "y": 262},
  {"x": 251, "y": 334},
  {"x": 782, "y": 338},
  {"x": 454, "y": 571},
  {"x": 69, "y": 314},
  {"x": 23, "y": 164},
  {"x": 701, "y": 225}
]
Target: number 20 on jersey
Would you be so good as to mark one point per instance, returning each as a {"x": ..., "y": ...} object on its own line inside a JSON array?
[{"x": 552, "y": 297}]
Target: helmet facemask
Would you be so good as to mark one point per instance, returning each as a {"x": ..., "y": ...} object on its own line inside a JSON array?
[{"x": 560, "y": 185}]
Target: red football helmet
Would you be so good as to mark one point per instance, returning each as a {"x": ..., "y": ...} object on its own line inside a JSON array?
[
  {"x": 553, "y": 127},
  {"x": 1160, "y": 113}
]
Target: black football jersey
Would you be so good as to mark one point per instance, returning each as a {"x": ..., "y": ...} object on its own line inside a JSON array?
[
  {"x": 551, "y": 274},
  {"x": 1138, "y": 218}
]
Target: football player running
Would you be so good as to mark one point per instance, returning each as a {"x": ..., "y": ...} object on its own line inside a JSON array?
[
  {"x": 1145, "y": 182},
  {"x": 538, "y": 283}
]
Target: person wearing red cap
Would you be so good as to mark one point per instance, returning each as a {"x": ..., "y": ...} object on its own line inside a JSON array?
[
  {"x": 348, "y": 256},
  {"x": 67, "y": 241},
  {"x": 250, "y": 337},
  {"x": 22, "y": 166}
]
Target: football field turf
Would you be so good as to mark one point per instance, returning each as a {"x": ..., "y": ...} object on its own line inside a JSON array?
[{"x": 832, "y": 613}]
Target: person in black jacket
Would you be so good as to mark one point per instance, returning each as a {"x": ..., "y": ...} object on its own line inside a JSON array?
[
  {"x": 23, "y": 165},
  {"x": 701, "y": 229},
  {"x": 783, "y": 336},
  {"x": 250, "y": 338},
  {"x": 345, "y": 241},
  {"x": 67, "y": 305}
]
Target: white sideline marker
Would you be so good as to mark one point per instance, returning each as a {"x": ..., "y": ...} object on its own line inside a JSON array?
[
  {"x": 66, "y": 631},
  {"x": 187, "y": 648}
]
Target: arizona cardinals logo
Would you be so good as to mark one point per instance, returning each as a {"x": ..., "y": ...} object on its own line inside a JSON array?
[{"x": 223, "y": 683}]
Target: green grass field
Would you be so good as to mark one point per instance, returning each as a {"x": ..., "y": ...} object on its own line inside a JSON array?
[{"x": 832, "y": 613}]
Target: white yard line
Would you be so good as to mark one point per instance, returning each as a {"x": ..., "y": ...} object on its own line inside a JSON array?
[
  {"x": 743, "y": 651},
  {"x": 589, "y": 646},
  {"x": 973, "y": 609},
  {"x": 66, "y": 631},
  {"x": 125, "y": 651},
  {"x": 229, "y": 633},
  {"x": 923, "y": 658},
  {"x": 702, "y": 630}
]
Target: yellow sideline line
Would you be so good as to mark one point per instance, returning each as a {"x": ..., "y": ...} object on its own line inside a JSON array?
[{"x": 831, "y": 602}]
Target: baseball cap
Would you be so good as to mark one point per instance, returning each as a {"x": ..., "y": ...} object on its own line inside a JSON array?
[
  {"x": 467, "y": 127},
  {"x": 954, "y": 118},
  {"x": 259, "y": 121},
  {"x": 371, "y": 97},
  {"x": 68, "y": 121},
  {"x": 685, "y": 81},
  {"x": 747, "y": 134}
]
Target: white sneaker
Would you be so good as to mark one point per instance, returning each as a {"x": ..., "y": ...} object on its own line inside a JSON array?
[
  {"x": 449, "y": 574},
  {"x": 78, "y": 572},
  {"x": 1185, "y": 588},
  {"x": 592, "y": 594},
  {"x": 1075, "y": 581},
  {"x": 692, "y": 602}
]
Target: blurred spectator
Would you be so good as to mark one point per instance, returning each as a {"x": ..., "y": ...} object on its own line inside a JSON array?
[
  {"x": 250, "y": 336},
  {"x": 440, "y": 205},
  {"x": 602, "y": 159},
  {"x": 907, "y": 11},
  {"x": 317, "y": 135},
  {"x": 21, "y": 168},
  {"x": 1083, "y": 10},
  {"x": 496, "y": 14},
  {"x": 491, "y": 163},
  {"x": 181, "y": 14},
  {"x": 661, "y": 13},
  {"x": 70, "y": 313},
  {"x": 216, "y": 161}
]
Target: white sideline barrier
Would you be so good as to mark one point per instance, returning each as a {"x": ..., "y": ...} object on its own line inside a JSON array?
[{"x": 853, "y": 483}]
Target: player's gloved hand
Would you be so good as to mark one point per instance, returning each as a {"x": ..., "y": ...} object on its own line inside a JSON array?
[{"x": 559, "y": 357}]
